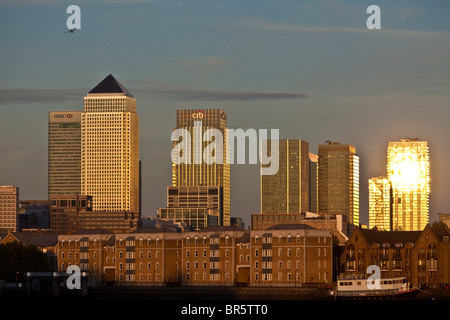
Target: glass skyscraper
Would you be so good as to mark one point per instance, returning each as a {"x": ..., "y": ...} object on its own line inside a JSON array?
[
  {"x": 64, "y": 152},
  {"x": 200, "y": 173},
  {"x": 287, "y": 191},
  {"x": 380, "y": 204},
  {"x": 338, "y": 190},
  {"x": 408, "y": 170}
]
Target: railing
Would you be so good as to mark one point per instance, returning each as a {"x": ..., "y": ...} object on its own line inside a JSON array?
[
  {"x": 367, "y": 293},
  {"x": 351, "y": 277}
]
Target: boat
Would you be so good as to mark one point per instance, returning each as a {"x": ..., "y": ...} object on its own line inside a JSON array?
[{"x": 360, "y": 287}]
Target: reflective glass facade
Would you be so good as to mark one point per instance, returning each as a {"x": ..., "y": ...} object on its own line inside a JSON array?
[
  {"x": 338, "y": 189},
  {"x": 408, "y": 169},
  {"x": 380, "y": 204},
  {"x": 64, "y": 152},
  {"x": 287, "y": 191},
  {"x": 203, "y": 174}
]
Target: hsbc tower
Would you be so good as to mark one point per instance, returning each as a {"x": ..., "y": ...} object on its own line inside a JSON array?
[{"x": 64, "y": 152}]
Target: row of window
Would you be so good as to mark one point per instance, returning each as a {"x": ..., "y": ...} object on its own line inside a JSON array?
[
  {"x": 288, "y": 264},
  {"x": 131, "y": 277},
  {"x": 288, "y": 277},
  {"x": 268, "y": 252},
  {"x": 77, "y": 243},
  {"x": 211, "y": 240},
  {"x": 288, "y": 239}
]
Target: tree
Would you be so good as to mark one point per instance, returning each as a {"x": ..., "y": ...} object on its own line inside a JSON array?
[{"x": 16, "y": 259}]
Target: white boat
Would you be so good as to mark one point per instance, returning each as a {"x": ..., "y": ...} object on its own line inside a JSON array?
[{"x": 358, "y": 287}]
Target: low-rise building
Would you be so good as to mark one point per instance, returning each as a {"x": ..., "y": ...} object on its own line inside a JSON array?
[
  {"x": 46, "y": 242},
  {"x": 291, "y": 255},
  {"x": 420, "y": 256},
  {"x": 335, "y": 222},
  {"x": 71, "y": 213},
  {"x": 209, "y": 255},
  {"x": 9, "y": 208},
  {"x": 213, "y": 256}
]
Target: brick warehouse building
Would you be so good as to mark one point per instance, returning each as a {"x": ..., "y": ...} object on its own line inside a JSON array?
[
  {"x": 423, "y": 257},
  {"x": 288, "y": 255}
]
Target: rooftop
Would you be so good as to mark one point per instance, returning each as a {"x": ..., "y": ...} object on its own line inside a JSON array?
[
  {"x": 291, "y": 227},
  {"x": 36, "y": 239},
  {"x": 391, "y": 237},
  {"x": 111, "y": 85},
  {"x": 222, "y": 228}
]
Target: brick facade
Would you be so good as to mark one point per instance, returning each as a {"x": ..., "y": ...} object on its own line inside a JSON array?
[
  {"x": 214, "y": 256},
  {"x": 421, "y": 256}
]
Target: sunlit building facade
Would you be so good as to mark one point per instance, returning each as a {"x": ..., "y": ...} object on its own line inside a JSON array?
[
  {"x": 9, "y": 208},
  {"x": 408, "y": 169},
  {"x": 198, "y": 172},
  {"x": 110, "y": 148},
  {"x": 196, "y": 206},
  {"x": 338, "y": 186},
  {"x": 380, "y": 204},
  {"x": 64, "y": 152},
  {"x": 287, "y": 191},
  {"x": 313, "y": 182}
]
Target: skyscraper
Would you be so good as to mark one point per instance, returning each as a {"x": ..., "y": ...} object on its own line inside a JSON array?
[
  {"x": 64, "y": 152},
  {"x": 9, "y": 208},
  {"x": 338, "y": 189},
  {"x": 110, "y": 147},
  {"x": 287, "y": 191},
  {"x": 200, "y": 173},
  {"x": 380, "y": 203},
  {"x": 408, "y": 169},
  {"x": 313, "y": 182}
]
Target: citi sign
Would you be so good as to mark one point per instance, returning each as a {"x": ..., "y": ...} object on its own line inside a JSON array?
[
  {"x": 197, "y": 115},
  {"x": 189, "y": 151}
]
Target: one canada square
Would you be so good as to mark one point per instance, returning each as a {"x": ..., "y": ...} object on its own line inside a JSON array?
[{"x": 110, "y": 147}]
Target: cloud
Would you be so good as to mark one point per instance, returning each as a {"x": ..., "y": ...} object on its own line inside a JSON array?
[
  {"x": 280, "y": 27},
  {"x": 224, "y": 95},
  {"x": 29, "y": 2},
  {"x": 179, "y": 92},
  {"x": 26, "y": 95}
]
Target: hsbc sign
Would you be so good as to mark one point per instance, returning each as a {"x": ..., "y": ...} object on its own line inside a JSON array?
[
  {"x": 64, "y": 116},
  {"x": 61, "y": 115}
]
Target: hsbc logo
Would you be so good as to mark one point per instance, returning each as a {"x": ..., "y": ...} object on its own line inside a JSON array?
[{"x": 60, "y": 116}]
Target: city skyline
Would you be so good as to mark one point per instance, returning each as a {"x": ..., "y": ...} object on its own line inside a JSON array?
[{"x": 312, "y": 70}]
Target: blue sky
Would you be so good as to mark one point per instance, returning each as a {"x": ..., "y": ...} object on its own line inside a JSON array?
[{"x": 309, "y": 68}]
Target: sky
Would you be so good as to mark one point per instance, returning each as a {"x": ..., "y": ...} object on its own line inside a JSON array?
[{"x": 311, "y": 69}]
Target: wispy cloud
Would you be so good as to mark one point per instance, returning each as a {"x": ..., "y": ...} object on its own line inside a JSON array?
[
  {"x": 26, "y": 95},
  {"x": 224, "y": 95},
  {"x": 282, "y": 27},
  {"x": 29, "y": 2},
  {"x": 177, "y": 92},
  {"x": 125, "y": 2}
]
